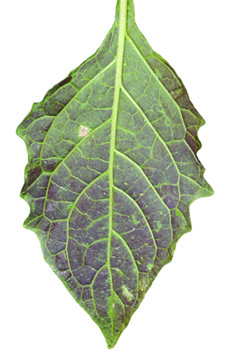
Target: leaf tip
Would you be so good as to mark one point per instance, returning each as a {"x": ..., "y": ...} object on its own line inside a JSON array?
[{"x": 111, "y": 342}]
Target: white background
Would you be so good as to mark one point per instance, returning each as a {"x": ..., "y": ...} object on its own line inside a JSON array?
[{"x": 185, "y": 314}]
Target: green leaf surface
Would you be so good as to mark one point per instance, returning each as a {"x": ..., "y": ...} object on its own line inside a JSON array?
[{"x": 112, "y": 171}]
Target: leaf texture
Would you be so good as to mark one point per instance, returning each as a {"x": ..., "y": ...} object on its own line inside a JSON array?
[{"x": 112, "y": 171}]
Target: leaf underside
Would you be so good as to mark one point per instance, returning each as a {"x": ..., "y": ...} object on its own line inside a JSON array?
[{"x": 112, "y": 171}]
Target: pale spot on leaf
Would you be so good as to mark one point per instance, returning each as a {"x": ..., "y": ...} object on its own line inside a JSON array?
[
  {"x": 84, "y": 131},
  {"x": 126, "y": 293},
  {"x": 149, "y": 266},
  {"x": 143, "y": 285}
]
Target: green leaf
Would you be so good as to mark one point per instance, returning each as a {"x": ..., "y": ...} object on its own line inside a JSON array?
[{"x": 112, "y": 171}]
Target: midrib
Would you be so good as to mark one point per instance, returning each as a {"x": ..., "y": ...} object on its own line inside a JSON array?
[{"x": 118, "y": 82}]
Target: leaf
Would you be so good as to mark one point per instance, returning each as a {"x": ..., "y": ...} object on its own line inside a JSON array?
[{"x": 112, "y": 171}]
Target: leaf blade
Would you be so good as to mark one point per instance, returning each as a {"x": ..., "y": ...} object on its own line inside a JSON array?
[{"x": 112, "y": 171}]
